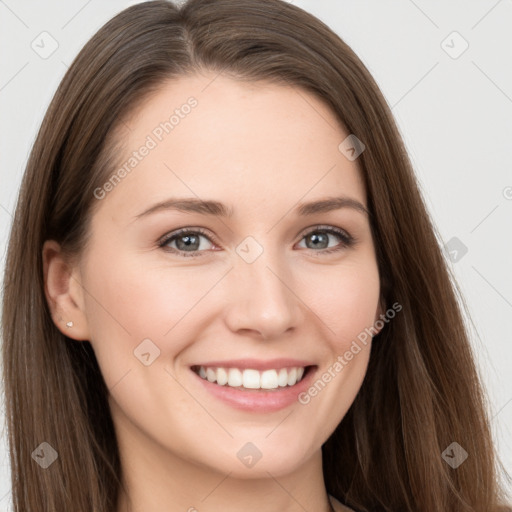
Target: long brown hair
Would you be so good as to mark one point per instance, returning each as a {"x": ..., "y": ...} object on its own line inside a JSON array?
[{"x": 422, "y": 390}]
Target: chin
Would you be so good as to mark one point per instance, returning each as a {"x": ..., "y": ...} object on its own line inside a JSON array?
[{"x": 256, "y": 459}]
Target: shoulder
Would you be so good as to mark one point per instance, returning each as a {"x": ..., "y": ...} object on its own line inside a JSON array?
[{"x": 338, "y": 506}]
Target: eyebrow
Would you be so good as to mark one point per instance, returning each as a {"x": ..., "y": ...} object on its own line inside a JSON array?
[{"x": 218, "y": 209}]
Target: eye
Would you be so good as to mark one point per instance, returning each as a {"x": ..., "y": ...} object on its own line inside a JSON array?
[
  {"x": 319, "y": 236},
  {"x": 188, "y": 240}
]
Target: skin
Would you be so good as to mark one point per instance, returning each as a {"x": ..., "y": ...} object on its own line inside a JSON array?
[{"x": 177, "y": 442}]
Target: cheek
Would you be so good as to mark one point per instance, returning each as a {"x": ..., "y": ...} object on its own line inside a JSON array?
[
  {"x": 140, "y": 300},
  {"x": 127, "y": 302},
  {"x": 347, "y": 307},
  {"x": 124, "y": 305},
  {"x": 345, "y": 300}
]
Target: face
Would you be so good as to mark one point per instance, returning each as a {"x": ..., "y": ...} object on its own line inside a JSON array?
[{"x": 271, "y": 292}]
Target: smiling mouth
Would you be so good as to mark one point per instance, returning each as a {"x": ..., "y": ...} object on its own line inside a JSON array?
[{"x": 253, "y": 380}]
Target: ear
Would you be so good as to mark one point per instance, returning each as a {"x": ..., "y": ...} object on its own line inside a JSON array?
[{"x": 64, "y": 292}]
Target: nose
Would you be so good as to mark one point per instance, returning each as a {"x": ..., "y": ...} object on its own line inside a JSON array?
[{"x": 262, "y": 298}]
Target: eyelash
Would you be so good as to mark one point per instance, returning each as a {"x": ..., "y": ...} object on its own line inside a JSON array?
[{"x": 347, "y": 240}]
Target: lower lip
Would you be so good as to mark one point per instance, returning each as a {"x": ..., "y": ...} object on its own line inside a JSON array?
[{"x": 258, "y": 400}]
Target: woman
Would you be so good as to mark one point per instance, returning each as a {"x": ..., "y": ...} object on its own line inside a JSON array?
[{"x": 176, "y": 335}]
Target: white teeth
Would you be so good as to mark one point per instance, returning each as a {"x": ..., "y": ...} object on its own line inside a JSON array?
[
  {"x": 292, "y": 376},
  {"x": 252, "y": 379},
  {"x": 234, "y": 377},
  {"x": 269, "y": 379},
  {"x": 222, "y": 376},
  {"x": 282, "y": 378},
  {"x": 211, "y": 375}
]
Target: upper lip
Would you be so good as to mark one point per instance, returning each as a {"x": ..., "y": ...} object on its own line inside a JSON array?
[{"x": 256, "y": 364}]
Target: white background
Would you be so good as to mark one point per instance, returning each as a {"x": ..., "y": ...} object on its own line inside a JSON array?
[{"x": 455, "y": 115}]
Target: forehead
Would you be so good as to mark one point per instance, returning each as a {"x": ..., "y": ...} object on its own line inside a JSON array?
[{"x": 210, "y": 135}]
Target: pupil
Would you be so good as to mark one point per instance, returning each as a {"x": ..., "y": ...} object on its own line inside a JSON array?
[
  {"x": 188, "y": 241},
  {"x": 317, "y": 238}
]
